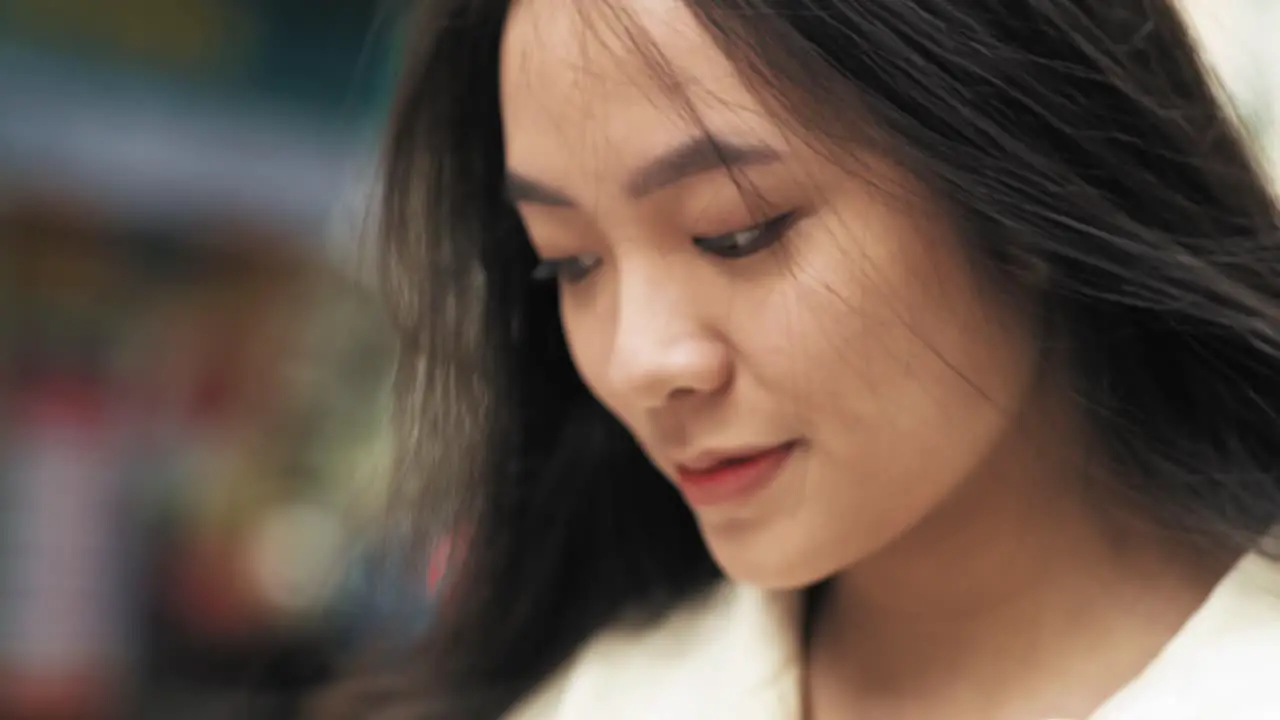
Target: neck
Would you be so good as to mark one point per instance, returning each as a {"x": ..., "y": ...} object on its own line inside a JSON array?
[{"x": 1017, "y": 581}]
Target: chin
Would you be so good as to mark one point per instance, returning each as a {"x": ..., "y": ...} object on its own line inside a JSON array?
[
  {"x": 765, "y": 564},
  {"x": 781, "y": 579}
]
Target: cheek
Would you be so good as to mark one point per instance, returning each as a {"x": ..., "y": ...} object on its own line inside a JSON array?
[
  {"x": 880, "y": 319},
  {"x": 905, "y": 371},
  {"x": 589, "y": 336},
  {"x": 587, "y": 343}
]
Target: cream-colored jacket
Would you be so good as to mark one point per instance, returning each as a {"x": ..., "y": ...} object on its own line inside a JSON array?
[{"x": 732, "y": 655}]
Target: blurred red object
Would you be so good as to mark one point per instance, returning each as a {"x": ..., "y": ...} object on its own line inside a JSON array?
[
  {"x": 438, "y": 564},
  {"x": 63, "y": 658}
]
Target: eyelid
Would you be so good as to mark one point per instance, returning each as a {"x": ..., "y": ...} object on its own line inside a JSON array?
[
  {"x": 769, "y": 232},
  {"x": 574, "y": 268},
  {"x": 558, "y": 269}
]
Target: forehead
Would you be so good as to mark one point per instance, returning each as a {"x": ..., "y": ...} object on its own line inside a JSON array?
[{"x": 617, "y": 80}]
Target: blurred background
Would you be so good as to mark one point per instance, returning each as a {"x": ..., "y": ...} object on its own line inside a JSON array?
[{"x": 193, "y": 380}]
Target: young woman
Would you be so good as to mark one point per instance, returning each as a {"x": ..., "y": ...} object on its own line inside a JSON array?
[{"x": 797, "y": 360}]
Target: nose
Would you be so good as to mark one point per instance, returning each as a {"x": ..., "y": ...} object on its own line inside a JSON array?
[{"x": 663, "y": 350}]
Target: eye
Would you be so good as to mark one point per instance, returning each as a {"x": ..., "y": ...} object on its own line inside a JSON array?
[
  {"x": 567, "y": 270},
  {"x": 742, "y": 243}
]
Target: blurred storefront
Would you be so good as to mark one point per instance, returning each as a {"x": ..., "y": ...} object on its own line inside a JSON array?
[{"x": 190, "y": 391}]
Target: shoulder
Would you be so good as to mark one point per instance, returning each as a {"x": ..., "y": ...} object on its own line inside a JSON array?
[
  {"x": 1225, "y": 662},
  {"x": 696, "y": 662}
]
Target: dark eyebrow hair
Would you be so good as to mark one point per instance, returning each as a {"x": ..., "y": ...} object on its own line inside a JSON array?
[{"x": 694, "y": 156}]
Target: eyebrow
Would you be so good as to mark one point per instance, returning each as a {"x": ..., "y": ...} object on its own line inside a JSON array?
[{"x": 694, "y": 156}]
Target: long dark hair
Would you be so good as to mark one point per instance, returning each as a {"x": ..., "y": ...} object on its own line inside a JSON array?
[{"x": 1081, "y": 136}]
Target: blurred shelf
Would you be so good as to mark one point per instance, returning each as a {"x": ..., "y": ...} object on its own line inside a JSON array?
[{"x": 170, "y": 154}]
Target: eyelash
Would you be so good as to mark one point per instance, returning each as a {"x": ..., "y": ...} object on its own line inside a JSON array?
[{"x": 730, "y": 246}]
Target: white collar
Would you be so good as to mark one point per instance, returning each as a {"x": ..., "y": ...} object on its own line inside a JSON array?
[{"x": 734, "y": 654}]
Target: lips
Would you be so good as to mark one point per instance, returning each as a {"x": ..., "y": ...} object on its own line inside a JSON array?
[{"x": 715, "y": 480}]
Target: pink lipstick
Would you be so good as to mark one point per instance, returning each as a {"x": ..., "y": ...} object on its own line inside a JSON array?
[{"x": 731, "y": 477}]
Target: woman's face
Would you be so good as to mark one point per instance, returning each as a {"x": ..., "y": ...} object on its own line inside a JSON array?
[{"x": 824, "y": 327}]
